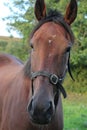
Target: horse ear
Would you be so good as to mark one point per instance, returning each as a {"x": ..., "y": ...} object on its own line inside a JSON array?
[
  {"x": 40, "y": 9},
  {"x": 71, "y": 12}
]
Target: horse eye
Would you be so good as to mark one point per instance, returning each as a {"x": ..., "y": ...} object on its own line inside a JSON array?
[
  {"x": 68, "y": 49},
  {"x": 31, "y": 45}
]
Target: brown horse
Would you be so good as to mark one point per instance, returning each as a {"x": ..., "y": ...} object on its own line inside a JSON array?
[{"x": 30, "y": 94}]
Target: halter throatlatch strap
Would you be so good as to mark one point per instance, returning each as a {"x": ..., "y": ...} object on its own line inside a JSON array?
[
  {"x": 53, "y": 79},
  {"x": 69, "y": 70}
]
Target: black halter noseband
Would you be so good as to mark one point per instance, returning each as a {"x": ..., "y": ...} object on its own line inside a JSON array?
[{"x": 53, "y": 79}]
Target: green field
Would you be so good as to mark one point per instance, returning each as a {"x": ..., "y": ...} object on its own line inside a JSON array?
[
  {"x": 75, "y": 112},
  {"x": 9, "y": 39}
]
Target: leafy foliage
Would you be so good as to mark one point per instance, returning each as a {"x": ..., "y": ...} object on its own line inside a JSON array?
[
  {"x": 80, "y": 53},
  {"x": 14, "y": 46}
]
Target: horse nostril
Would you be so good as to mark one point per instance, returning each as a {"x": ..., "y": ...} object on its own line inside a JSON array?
[
  {"x": 49, "y": 109},
  {"x": 29, "y": 107}
]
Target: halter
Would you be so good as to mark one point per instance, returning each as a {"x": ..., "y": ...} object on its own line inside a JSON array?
[{"x": 53, "y": 79}]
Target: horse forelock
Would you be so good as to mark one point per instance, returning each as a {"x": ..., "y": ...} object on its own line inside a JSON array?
[{"x": 56, "y": 17}]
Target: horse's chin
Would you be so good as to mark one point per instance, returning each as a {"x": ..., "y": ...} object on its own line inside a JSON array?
[{"x": 41, "y": 122}]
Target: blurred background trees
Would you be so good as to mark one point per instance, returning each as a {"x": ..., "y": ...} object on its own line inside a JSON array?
[{"x": 22, "y": 19}]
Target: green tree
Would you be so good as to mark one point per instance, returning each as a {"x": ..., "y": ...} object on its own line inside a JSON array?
[
  {"x": 17, "y": 49},
  {"x": 80, "y": 51},
  {"x": 22, "y": 16}
]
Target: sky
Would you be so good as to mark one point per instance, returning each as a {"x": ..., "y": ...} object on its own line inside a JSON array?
[{"x": 4, "y": 11}]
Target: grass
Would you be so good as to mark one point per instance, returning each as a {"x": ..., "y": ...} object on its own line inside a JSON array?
[
  {"x": 75, "y": 112},
  {"x": 9, "y": 39}
]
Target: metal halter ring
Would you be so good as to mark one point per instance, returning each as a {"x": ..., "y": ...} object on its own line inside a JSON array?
[{"x": 54, "y": 79}]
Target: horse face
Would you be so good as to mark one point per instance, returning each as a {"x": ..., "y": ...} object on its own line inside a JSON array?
[
  {"x": 50, "y": 49},
  {"x": 50, "y": 44},
  {"x": 50, "y": 53}
]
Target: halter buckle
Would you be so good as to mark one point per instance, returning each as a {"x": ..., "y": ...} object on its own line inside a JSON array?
[{"x": 54, "y": 79}]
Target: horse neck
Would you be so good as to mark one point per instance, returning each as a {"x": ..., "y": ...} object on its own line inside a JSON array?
[{"x": 23, "y": 81}]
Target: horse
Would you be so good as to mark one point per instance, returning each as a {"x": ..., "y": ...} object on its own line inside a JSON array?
[{"x": 30, "y": 93}]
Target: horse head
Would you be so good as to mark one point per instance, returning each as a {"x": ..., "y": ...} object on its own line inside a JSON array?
[{"x": 51, "y": 42}]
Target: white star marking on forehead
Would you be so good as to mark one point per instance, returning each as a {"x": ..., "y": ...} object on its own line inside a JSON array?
[{"x": 53, "y": 37}]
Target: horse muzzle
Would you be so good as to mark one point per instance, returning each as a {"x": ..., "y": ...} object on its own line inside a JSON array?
[{"x": 40, "y": 113}]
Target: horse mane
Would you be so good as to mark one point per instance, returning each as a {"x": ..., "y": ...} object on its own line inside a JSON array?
[
  {"x": 56, "y": 17},
  {"x": 27, "y": 68}
]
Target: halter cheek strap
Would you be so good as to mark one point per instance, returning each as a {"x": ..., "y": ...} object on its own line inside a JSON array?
[{"x": 53, "y": 79}]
